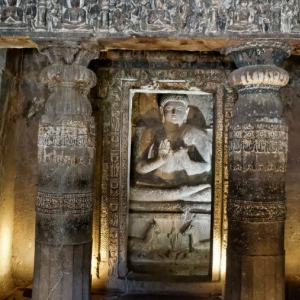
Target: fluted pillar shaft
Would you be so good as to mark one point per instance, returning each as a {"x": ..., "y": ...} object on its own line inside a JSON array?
[
  {"x": 64, "y": 202},
  {"x": 257, "y": 163}
]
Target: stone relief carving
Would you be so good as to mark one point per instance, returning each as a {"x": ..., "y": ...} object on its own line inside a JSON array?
[
  {"x": 209, "y": 17},
  {"x": 114, "y": 84},
  {"x": 171, "y": 163},
  {"x": 175, "y": 154}
]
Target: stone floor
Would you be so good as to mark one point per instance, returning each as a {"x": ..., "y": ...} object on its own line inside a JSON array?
[{"x": 25, "y": 294}]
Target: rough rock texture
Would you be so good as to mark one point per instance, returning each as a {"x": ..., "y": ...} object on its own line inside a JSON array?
[
  {"x": 9, "y": 107},
  {"x": 290, "y": 96},
  {"x": 31, "y": 103}
]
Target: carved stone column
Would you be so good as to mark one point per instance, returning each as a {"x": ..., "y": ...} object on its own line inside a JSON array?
[
  {"x": 257, "y": 162},
  {"x": 65, "y": 201}
]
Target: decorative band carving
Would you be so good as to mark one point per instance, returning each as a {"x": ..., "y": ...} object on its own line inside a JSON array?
[
  {"x": 258, "y": 147},
  {"x": 250, "y": 211},
  {"x": 66, "y": 203},
  {"x": 69, "y": 134},
  {"x": 259, "y": 130}
]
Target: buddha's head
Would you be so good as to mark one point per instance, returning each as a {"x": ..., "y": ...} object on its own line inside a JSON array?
[
  {"x": 174, "y": 108},
  {"x": 244, "y": 3},
  {"x": 12, "y": 2},
  {"x": 75, "y": 3}
]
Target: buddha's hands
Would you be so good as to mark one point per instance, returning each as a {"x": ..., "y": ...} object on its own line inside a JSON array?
[
  {"x": 164, "y": 150},
  {"x": 182, "y": 157}
]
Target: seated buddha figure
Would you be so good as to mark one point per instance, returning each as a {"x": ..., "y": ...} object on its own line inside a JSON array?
[
  {"x": 12, "y": 13},
  {"x": 173, "y": 161},
  {"x": 242, "y": 17},
  {"x": 75, "y": 15}
]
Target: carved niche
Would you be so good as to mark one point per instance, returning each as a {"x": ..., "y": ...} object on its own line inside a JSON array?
[
  {"x": 169, "y": 231},
  {"x": 125, "y": 82}
]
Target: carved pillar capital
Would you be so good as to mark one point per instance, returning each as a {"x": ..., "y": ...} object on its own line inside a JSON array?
[
  {"x": 257, "y": 163},
  {"x": 68, "y": 78},
  {"x": 69, "y": 53},
  {"x": 258, "y": 73}
]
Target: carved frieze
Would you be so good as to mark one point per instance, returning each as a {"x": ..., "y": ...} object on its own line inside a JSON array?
[{"x": 122, "y": 17}]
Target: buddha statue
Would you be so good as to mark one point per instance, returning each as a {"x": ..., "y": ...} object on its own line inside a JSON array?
[
  {"x": 12, "y": 13},
  {"x": 173, "y": 161},
  {"x": 242, "y": 17},
  {"x": 75, "y": 15}
]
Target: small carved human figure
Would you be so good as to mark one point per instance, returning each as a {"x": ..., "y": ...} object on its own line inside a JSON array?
[
  {"x": 53, "y": 15},
  {"x": 287, "y": 14},
  {"x": 263, "y": 15},
  {"x": 94, "y": 13},
  {"x": 75, "y": 15},
  {"x": 31, "y": 13},
  {"x": 222, "y": 18},
  {"x": 195, "y": 17},
  {"x": 135, "y": 14},
  {"x": 12, "y": 13},
  {"x": 173, "y": 162}
]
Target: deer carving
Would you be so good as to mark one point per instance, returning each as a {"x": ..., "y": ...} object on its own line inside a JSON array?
[
  {"x": 196, "y": 241},
  {"x": 142, "y": 243}
]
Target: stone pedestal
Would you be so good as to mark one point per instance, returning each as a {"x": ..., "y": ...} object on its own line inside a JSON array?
[
  {"x": 257, "y": 163},
  {"x": 65, "y": 201}
]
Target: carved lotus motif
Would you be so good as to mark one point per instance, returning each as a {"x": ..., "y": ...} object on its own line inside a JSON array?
[
  {"x": 70, "y": 85},
  {"x": 259, "y": 75},
  {"x": 72, "y": 75}
]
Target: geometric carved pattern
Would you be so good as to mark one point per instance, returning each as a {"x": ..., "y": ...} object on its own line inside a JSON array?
[
  {"x": 67, "y": 204},
  {"x": 62, "y": 144},
  {"x": 249, "y": 143},
  {"x": 70, "y": 133},
  {"x": 251, "y": 211}
]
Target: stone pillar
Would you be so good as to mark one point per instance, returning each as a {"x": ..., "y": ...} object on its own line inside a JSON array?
[
  {"x": 64, "y": 199},
  {"x": 257, "y": 163}
]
